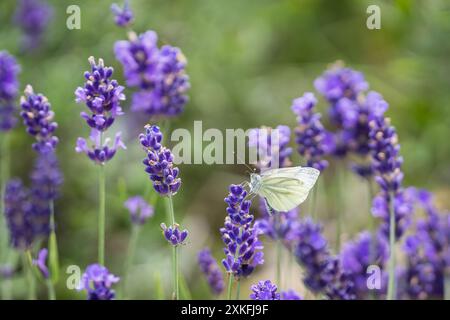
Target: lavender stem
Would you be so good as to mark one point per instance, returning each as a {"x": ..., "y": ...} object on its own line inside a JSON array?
[
  {"x": 27, "y": 265},
  {"x": 50, "y": 289},
  {"x": 4, "y": 173},
  {"x": 230, "y": 284},
  {"x": 174, "y": 252},
  {"x": 447, "y": 286},
  {"x": 101, "y": 215},
  {"x": 132, "y": 245},
  {"x": 238, "y": 290}
]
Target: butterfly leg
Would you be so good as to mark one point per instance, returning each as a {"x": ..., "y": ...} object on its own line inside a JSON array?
[{"x": 269, "y": 209}]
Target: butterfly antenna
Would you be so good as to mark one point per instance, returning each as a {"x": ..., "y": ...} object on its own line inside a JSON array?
[{"x": 243, "y": 162}]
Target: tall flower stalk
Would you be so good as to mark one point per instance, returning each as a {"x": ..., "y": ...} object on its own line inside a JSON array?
[
  {"x": 166, "y": 182},
  {"x": 102, "y": 96}
]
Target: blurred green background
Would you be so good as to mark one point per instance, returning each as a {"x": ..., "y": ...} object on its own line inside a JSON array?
[{"x": 247, "y": 60}]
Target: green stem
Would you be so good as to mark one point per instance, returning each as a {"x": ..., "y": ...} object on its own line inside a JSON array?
[
  {"x": 238, "y": 290},
  {"x": 4, "y": 176},
  {"x": 101, "y": 215},
  {"x": 50, "y": 289},
  {"x": 391, "y": 284},
  {"x": 176, "y": 287},
  {"x": 230, "y": 285},
  {"x": 26, "y": 261},
  {"x": 53, "y": 246},
  {"x": 314, "y": 201},
  {"x": 132, "y": 245},
  {"x": 447, "y": 287}
]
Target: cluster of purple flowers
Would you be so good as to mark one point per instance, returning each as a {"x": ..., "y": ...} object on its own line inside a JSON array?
[
  {"x": 159, "y": 162},
  {"x": 140, "y": 210},
  {"x": 158, "y": 73},
  {"x": 356, "y": 256},
  {"x": 9, "y": 88},
  {"x": 386, "y": 164},
  {"x": 38, "y": 118},
  {"x": 266, "y": 290},
  {"x": 173, "y": 234},
  {"x": 323, "y": 272},
  {"x": 428, "y": 252},
  {"x": 33, "y": 17},
  {"x": 97, "y": 281},
  {"x": 272, "y": 146},
  {"x": 351, "y": 110},
  {"x": 123, "y": 17},
  {"x": 210, "y": 268},
  {"x": 242, "y": 246},
  {"x": 102, "y": 96},
  {"x": 312, "y": 139}
]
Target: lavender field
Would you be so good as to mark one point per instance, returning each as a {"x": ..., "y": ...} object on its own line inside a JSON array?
[{"x": 224, "y": 150}]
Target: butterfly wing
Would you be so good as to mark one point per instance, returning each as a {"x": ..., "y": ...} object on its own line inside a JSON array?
[{"x": 286, "y": 188}]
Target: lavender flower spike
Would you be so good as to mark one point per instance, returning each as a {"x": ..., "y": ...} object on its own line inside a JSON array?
[
  {"x": 102, "y": 96},
  {"x": 9, "y": 87},
  {"x": 38, "y": 117},
  {"x": 99, "y": 153},
  {"x": 173, "y": 234},
  {"x": 210, "y": 268},
  {"x": 122, "y": 16},
  {"x": 139, "y": 210},
  {"x": 98, "y": 282},
  {"x": 311, "y": 137},
  {"x": 264, "y": 290},
  {"x": 159, "y": 162},
  {"x": 41, "y": 263}
]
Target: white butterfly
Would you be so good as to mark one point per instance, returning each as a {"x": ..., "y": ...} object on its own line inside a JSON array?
[{"x": 284, "y": 188}]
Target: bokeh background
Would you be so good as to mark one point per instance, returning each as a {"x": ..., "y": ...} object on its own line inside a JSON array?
[{"x": 247, "y": 60}]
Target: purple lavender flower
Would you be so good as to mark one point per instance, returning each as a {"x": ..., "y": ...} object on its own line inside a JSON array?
[
  {"x": 358, "y": 255},
  {"x": 46, "y": 177},
  {"x": 339, "y": 82},
  {"x": 98, "y": 152},
  {"x": 159, "y": 73},
  {"x": 41, "y": 263},
  {"x": 386, "y": 164},
  {"x": 341, "y": 286},
  {"x": 271, "y": 154},
  {"x": 122, "y": 16},
  {"x": 280, "y": 226},
  {"x": 38, "y": 118},
  {"x": 139, "y": 210},
  {"x": 290, "y": 295},
  {"x": 173, "y": 234},
  {"x": 101, "y": 94},
  {"x": 243, "y": 250},
  {"x": 210, "y": 268},
  {"x": 9, "y": 87},
  {"x": 33, "y": 17},
  {"x": 264, "y": 290},
  {"x": 311, "y": 136},
  {"x": 159, "y": 162},
  {"x": 18, "y": 215},
  {"x": 427, "y": 250},
  {"x": 98, "y": 282}
]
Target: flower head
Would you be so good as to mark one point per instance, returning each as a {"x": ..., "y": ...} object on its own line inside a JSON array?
[
  {"x": 98, "y": 152},
  {"x": 33, "y": 17},
  {"x": 264, "y": 290},
  {"x": 159, "y": 162},
  {"x": 173, "y": 234},
  {"x": 139, "y": 209},
  {"x": 102, "y": 96},
  {"x": 290, "y": 295},
  {"x": 38, "y": 118},
  {"x": 243, "y": 250},
  {"x": 18, "y": 214},
  {"x": 98, "y": 282},
  {"x": 41, "y": 263},
  {"x": 9, "y": 87},
  {"x": 122, "y": 16},
  {"x": 311, "y": 137},
  {"x": 339, "y": 82},
  {"x": 158, "y": 73},
  {"x": 210, "y": 268}
]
